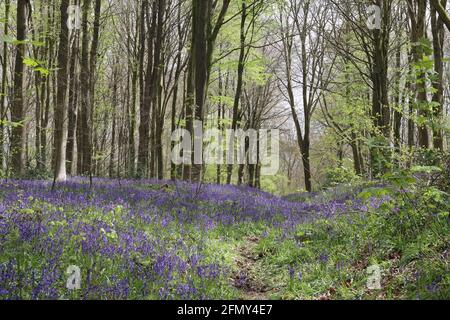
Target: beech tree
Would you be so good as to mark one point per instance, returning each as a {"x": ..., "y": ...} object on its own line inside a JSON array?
[
  {"x": 17, "y": 107},
  {"x": 61, "y": 107}
]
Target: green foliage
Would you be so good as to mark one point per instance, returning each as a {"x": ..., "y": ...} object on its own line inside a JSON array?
[
  {"x": 36, "y": 66},
  {"x": 433, "y": 167},
  {"x": 36, "y": 173},
  {"x": 11, "y": 124},
  {"x": 274, "y": 184},
  {"x": 340, "y": 175},
  {"x": 407, "y": 236},
  {"x": 14, "y": 41}
]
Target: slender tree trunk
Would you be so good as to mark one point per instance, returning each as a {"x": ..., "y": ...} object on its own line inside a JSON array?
[
  {"x": 398, "y": 112},
  {"x": 61, "y": 108},
  {"x": 92, "y": 82},
  {"x": 257, "y": 183},
  {"x": 114, "y": 102},
  {"x": 240, "y": 82},
  {"x": 112, "y": 158},
  {"x": 84, "y": 148},
  {"x": 144, "y": 126},
  {"x": 38, "y": 117},
  {"x": 73, "y": 102},
  {"x": 380, "y": 98},
  {"x": 141, "y": 156},
  {"x": 189, "y": 113},
  {"x": 411, "y": 112},
  {"x": 4, "y": 82},
  {"x": 292, "y": 104},
  {"x": 46, "y": 113},
  {"x": 356, "y": 156},
  {"x": 443, "y": 14},
  {"x": 17, "y": 108},
  {"x": 305, "y": 142},
  {"x": 418, "y": 33},
  {"x": 54, "y": 87},
  {"x": 204, "y": 35},
  {"x": 173, "y": 167},
  {"x": 201, "y": 10},
  {"x": 437, "y": 26},
  {"x": 220, "y": 114},
  {"x": 39, "y": 53},
  {"x": 132, "y": 125},
  {"x": 241, "y": 169},
  {"x": 158, "y": 112}
]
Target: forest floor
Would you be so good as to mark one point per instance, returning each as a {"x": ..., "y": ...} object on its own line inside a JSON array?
[
  {"x": 160, "y": 240},
  {"x": 246, "y": 278}
]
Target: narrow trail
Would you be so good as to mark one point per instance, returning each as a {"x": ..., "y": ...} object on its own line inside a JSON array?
[{"x": 245, "y": 279}]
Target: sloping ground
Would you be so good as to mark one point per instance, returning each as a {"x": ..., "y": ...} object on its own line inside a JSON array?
[{"x": 162, "y": 240}]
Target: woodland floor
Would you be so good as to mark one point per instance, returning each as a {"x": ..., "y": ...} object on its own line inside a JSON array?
[
  {"x": 158, "y": 240},
  {"x": 245, "y": 278}
]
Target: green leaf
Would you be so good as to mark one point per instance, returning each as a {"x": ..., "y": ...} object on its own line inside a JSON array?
[
  {"x": 400, "y": 179},
  {"x": 30, "y": 62},
  {"x": 36, "y": 66},
  {"x": 426, "y": 169},
  {"x": 14, "y": 41}
]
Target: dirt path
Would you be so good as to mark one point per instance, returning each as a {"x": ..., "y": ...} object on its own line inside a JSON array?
[{"x": 245, "y": 278}]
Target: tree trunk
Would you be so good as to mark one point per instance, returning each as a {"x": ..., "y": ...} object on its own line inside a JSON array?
[
  {"x": 443, "y": 14},
  {"x": 380, "y": 98},
  {"x": 4, "y": 82},
  {"x": 112, "y": 157},
  {"x": 92, "y": 74},
  {"x": 398, "y": 112},
  {"x": 144, "y": 126},
  {"x": 158, "y": 111},
  {"x": 73, "y": 102},
  {"x": 292, "y": 104},
  {"x": 437, "y": 26},
  {"x": 60, "y": 108},
  {"x": 305, "y": 143},
  {"x": 201, "y": 11},
  {"x": 114, "y": 102},
  {"x": 411, "y": 112},
  {"x": 17, "y": 108},
  {"x": 132, "y": 124},
  {"x": 189, "y": 113},
  {"x": 46, "y": 113},
  {"x": 173, "y": 124},
  {"x": 356, "y": 156},
  {"x": 84, "y": 148},
  {"x": 238, "y": 92},
  {"x": 418, "y": 33}
]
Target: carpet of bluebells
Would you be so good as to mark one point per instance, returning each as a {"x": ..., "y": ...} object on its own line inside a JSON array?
[{"x": 170, "y": 240}]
